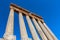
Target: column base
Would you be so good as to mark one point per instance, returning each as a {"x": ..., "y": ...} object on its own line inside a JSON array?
[
  {"x": 26, "y": 38},
  {"x": 9, "y": 37}
]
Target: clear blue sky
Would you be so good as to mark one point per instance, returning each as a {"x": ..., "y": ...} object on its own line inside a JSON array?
[{"x": 48, "y": 9}]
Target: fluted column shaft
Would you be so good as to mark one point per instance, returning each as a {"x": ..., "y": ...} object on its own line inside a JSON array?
[
  {"x": 45, "y": 31},
  {"x": 32, "y": 29},
  {"x": 10, "y": 27},
  {"x": 39, "y": 30},
  {"x": 51, "y": 33},
  {"x": 10, "y": 23},
  {"x": 23, "y": 31}
]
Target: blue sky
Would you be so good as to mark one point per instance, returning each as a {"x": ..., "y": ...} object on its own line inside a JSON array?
[{"x": 48, "y": 9}]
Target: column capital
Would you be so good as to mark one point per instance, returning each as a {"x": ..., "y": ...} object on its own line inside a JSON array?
[
  {"x": 41, "y": 20},
  {"x": 11, "y": 7}
]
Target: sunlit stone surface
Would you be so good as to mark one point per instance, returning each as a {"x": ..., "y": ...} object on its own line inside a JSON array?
[
  {"x": 32, "y": 29},
  {"x": 42, "y": 28},
  {"x": 23, "y": 31}
]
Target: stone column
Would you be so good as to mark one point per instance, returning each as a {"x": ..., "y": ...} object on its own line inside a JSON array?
[
  {"x": 32, "y": 29},
  {"x": 23, "y": 31},
  {"x": 45, "y": 30},
  {"x": 10, "y": 26},
  {"x": 51, "y": 33},
  {"x": 39, "y": 30}
]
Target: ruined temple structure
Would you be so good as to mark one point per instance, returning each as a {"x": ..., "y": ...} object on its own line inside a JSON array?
[{"x": 44, "y": 32}]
